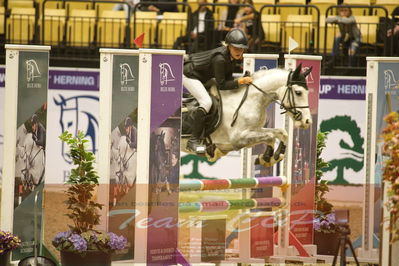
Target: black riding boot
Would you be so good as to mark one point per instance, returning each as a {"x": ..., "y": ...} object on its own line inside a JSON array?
[{"x": 195, "y": 143}]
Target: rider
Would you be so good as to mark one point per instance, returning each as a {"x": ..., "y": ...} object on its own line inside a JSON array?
[
  {"x": 38, "y": 131},
  {"x": 218, "y": 63},
  {"x": 131, "y": 133}
]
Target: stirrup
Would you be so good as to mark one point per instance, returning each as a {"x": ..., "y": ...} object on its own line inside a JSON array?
[{"x": 198, "y": 148}]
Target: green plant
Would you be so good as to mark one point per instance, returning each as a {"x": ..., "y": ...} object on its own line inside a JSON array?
[
  {"x": 83, "y": 181},
  {"x": 391, "y": 169},
  {"x": 323, "y": 207},
  {"x": 84, "y": 211}
]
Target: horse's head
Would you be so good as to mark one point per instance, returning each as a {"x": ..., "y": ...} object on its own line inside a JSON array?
[
  {"x": 76, "y": 114},
  {"x": 294, "y": 98}
]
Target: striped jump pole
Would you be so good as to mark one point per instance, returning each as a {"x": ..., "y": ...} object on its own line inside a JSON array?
[
  {"x": 218, "y": 184},
  {"x": 225, "y": 205}
]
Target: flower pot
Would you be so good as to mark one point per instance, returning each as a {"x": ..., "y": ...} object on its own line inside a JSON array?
[
  {"x": 326, "y": 243},
  {"x": 5, "y": 258},
  {"x": 87, "y": 258}
]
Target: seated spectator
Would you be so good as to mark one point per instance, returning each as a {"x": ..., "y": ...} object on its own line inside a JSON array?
[
  {"x": 249, "y": 21},
  {"x": 160, "y": 8},
  {"x": 227, "y": 18},
  {"x": 348, "y": 36},
  {"x": 200, "y": 31},
  {"x": 122, "y": 6},
  {"x": 393, "y": 34}
]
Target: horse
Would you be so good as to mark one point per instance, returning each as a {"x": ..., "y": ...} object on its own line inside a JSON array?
[
  {"x": 127, "y": 164},
  {"x": 34, "y": 158},
  {"x": 245, "y": 128},
  {"x": 160, "y": 163},
  {"x": 75, "y": 115}
]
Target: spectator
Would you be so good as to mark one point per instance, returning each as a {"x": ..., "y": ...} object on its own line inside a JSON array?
[
  {"x": 200, "y": 31},
  {"x": 249, "y": 21},
  {"x": 348, "y": 36},
  {"x": 393, "y": 33},
  {"x": 124, "y": 6},
  {"x": 161, "y": 8},
  {"x": 227, "y": 18}
]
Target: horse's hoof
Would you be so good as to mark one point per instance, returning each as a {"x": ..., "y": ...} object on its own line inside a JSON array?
[{"x": 257, "y": 161}]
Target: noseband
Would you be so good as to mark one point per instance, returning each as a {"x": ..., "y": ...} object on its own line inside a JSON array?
[{"x": 289, "y": 93}]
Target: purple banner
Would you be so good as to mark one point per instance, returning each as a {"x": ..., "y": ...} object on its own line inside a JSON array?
[
  {"x": 166, "y": 87},
  {"x": 74, "y": 80},
  {"x": 342, "y": 88}
]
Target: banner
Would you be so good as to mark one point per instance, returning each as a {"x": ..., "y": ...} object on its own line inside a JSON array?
[
  {"x": 165, "y": 123},
  {"x": 123, "y": 161},
  {"x": 342, "y": 101},
  {"x": 304, "y": 162},
  {"x": 72, "y": 106},
  {"x": 30, "y": 146}
]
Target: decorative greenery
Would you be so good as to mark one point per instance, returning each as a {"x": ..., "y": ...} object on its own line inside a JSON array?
[
  {"x": 84, "y": 211},
  {"x": 391, "y": 169},
  {"x": 323, "y": 207},
  {"x": 8, "y": 242}
]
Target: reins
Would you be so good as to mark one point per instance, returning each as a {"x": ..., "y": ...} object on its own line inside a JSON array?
[{"x": 289, "y": 91}]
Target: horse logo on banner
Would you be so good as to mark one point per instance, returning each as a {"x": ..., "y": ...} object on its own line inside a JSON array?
[
  {"x": 390, "y": 82},
  {"x": 309, "y": 77},
  {"x": 32, "y": 70},
  {"x": 76, "y": 114},
  {"x": 165, "y": 73},
  {"x": 126, "y": 74}
]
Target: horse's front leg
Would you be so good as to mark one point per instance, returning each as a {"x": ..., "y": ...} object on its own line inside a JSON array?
[{"x": 267, "y": 136}]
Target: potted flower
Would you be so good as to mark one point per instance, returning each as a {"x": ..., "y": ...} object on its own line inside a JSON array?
[
  {"x": 325, "y": 228},
  {"x": 391, "y": 170},
  {"x": 8, "y": 242},
  {"x": 83, "y": 244}
]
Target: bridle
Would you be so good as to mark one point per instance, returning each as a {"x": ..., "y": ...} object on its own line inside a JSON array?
[{"x": 289, "y": 93}]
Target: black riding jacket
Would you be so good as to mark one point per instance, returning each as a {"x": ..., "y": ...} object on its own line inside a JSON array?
[{"x": 216, "y": 63}]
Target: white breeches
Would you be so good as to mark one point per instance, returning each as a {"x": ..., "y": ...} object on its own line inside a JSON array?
[{"x": 197, "y": 89}]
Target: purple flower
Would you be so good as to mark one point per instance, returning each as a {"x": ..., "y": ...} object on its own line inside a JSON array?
[
  {"x": 331, "y": 217},
  {"x": 78, "y": 242},
  {"x": 61, "y": 236},
  {"x": 116, "y": 242}
]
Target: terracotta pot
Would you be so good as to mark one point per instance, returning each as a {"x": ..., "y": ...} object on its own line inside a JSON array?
[
  {"x": 87, "y": 258},
  {"x": 326, "y": 243}
]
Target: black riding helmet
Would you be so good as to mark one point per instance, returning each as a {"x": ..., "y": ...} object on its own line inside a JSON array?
[{"x": 237, "y": 38}]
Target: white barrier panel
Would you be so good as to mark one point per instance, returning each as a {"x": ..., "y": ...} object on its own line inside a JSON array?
[
  {"x": 24, "y": 140},
  {"x": 158, "y": 147},
  {"x": 119, "y": 78},
  {"x": 381, "y": 98}
]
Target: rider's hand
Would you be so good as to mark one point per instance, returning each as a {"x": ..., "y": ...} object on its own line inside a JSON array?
[{"x": 244, "y": 80}]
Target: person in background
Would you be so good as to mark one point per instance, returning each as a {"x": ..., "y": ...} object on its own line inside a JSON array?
[
  {"x": 227, "y": 18},
  {"x": 349, "y": 35},
  {"x": 200, "y": 31},
  {"x": 122, "y": 6},
  {"x": 249, "y": 21},
  {"x": 160, "y": 8},
  {"x": 393, "y": 33},
  {"x": 217, "y": 64}
]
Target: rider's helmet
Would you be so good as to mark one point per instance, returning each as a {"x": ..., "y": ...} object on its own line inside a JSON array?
[
  {"x": 34, "y": 119},
  {"x": 237, "y": 38},
  {"x": 128, "y": 122}
]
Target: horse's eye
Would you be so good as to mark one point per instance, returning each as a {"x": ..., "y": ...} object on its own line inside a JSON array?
[{"x": 298, "y": 93}]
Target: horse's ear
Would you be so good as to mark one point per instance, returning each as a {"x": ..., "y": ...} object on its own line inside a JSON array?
[
  {"x": 307, "y": 72},
  {"x": 297, "y": 71}
]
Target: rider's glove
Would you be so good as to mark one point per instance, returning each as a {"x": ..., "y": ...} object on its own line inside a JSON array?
[{"x": 244, "y": 80}]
